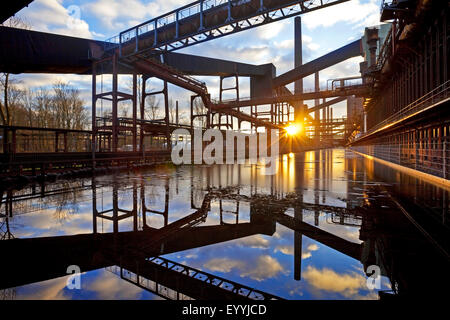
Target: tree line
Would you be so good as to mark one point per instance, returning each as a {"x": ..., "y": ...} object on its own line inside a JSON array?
[{"x": 58, "y": 107}]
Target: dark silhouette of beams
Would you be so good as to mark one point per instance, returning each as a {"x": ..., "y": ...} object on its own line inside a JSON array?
[
  {"x": 326, "y": 104},
  {"x": 38, "y": 259},
  {"x": 192, "y": 282},
  {"x": 10, "y": 8},
  {"x": 346, "y": 52},
  {"x": 27, "y": 51},
  {"x": 204, "y": 66}
]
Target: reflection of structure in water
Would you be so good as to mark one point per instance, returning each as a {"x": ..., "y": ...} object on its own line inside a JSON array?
[{"x": 390, "y": 241}]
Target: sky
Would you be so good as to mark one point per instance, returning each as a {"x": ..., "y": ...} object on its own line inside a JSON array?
[{"x": 324, "y": 30}]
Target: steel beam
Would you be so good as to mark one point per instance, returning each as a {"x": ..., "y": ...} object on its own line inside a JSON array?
[
  {"x": 326, "y": 104},
  {"x": 10, "y": 8},
  {"x": 348, "y": 51}
]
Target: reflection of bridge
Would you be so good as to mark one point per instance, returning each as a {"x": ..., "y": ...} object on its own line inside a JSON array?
[
  {"x": 125, "y": 249},
  {"x": 97, "y": 250},
  {"x": 175, "y": 281}
]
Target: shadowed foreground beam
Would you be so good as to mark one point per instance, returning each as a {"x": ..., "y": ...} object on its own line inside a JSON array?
[
  {"x": 10, "y": 8},
  {"x": 39, "y": 259}
]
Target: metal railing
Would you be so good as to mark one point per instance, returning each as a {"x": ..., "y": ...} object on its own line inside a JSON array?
[
  {"x": 148, "y": 284},
  {"x": 176, "y": 73},
  {"x": 198, "y": 15},
  {"x": 434, "y": 96},
  {"x": 432, "y": 158},
  {"x": 239, "y": 290}
]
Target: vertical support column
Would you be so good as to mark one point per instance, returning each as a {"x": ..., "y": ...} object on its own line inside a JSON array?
[
  {"x": 5, "y": 140},
  {"x": 416, "y": 150},
  {"x": 237, "y": 98},
  {"x": 444, "y": 159},
  {"x": 229, "y": 11},
  {"x": 65, "y": 142},
  {"x": 192, "y": 115},
  {"x": 176, "y": 113},
  {"x": 94, "y": 111},
  {"x": 324, "y": 118},
  {"x": 316, "y": 103},
  {"x": 208, "y": 114},
  {"x": 114, "y": 104},
  {"x": 177, "y": 24},
  {"x": 444, "y": 49},
  {"x": 56, "y": 141},
  {"x": 142, "y": 115},
  {"x": 317, "y": 164},
  {"x": 134, "y": 112},
  {"x": 298, "y": 244},
  {"x": 167, "y": 114},
  {"x": 299, "y": 112},
  {"x": 94, "y": 206},
  {"x": 14, "y": 141},
  {"x": 201, "y": 16},
  {"x": 135, "y": 206},
  {"x": 115, "y": 209}
]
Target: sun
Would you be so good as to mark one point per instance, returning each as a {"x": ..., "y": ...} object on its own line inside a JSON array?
[{"x": 293, "y": 128}]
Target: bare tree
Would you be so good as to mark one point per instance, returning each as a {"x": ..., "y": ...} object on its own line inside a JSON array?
[
  {"x": 152, "y": 110},
  {"x": 28, "y": 105},
  {"x": 68, "y": 110},
  {"x": 172, "y": 111},
  {"x": 199, "y": 108},
  {"x": 6, "y": 82}
]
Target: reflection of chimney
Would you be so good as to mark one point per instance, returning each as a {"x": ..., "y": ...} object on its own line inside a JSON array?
[{"x": 372, "y": 41}]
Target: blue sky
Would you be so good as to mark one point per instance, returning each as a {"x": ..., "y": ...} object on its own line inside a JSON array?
[{"x": 323, "y": 31}]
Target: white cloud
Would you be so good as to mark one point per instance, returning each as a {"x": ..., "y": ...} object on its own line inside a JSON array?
[
  {"x": 256, "y": 241},
  {"x": 110, "y": 287},
  {"x": 52, "y": 16},
  {"x": 122, "y": 14},
  {"x": 288, "y": 250},
  {"x": 270, "y": 31},
  {"x": 313, "y": 46},
  {"x": 354, "y": 12},
  {"x": 45, "y": 290},
  {"x": 263, "y": 268},
  {"x": 223, "y": 265},
  {"x": 328, "y": 280}
]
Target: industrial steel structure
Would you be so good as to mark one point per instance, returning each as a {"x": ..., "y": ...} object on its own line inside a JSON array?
[
  {"x": 403, "y": 83},
  {"x": 406, "y": 116}
]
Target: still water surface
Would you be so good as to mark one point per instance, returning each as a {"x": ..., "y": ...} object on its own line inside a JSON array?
[{"x": 308, "y": 232}]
